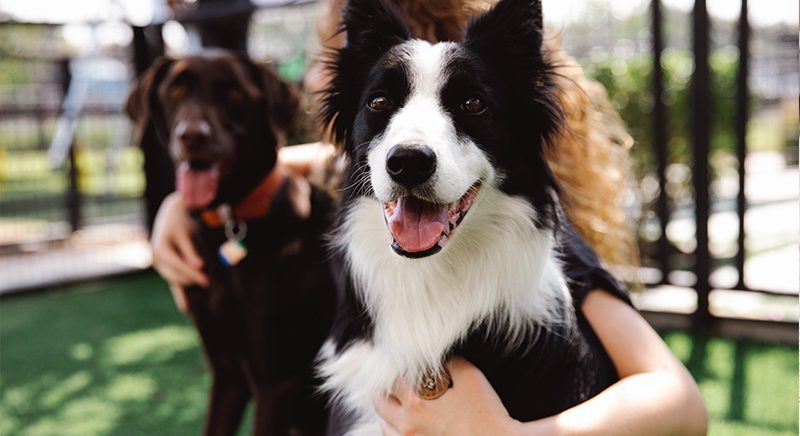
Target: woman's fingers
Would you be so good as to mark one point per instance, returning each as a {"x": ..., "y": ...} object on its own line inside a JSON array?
[
  {"x": 401, "y": 391},
  {"x": 385, "y": 429},
  {"x": 387, "y": 406},
  {"x": 470, "y": 407},
  {"x": 176, "y": 270},
  {"x": 187, "y": 251},
  {"x": 174, "y": 254},
  {"x": 390, "y": 412},
  {"x": 388, "y": 430},
  {"x": 179, "y": 295}
]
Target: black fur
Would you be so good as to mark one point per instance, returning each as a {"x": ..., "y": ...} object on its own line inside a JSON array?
[
  {"x": 508, "y": 44},
  {"x": 503, "y": 62},
  {"x": 372, "y": 28}
]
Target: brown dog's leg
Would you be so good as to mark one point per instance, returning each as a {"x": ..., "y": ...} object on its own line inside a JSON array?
[
  {"x": 230, "y": 391},
  {"x": 289, "y": 408},
  {"x": 229, "y": 396},
  {"x": 273, "y": 408}
]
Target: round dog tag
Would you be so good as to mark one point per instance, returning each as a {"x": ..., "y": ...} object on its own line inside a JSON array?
[{"x": 434, "y": 385}]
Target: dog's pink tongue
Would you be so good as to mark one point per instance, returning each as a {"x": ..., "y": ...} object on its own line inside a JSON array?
[
  {"x": 416, "y": 224},
  {"x": 197, "y": 187}
]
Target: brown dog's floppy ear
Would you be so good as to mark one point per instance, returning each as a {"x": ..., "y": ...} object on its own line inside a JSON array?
[
  {"x": 284, "y": 100},
  {"x": 139, "y": 105}
]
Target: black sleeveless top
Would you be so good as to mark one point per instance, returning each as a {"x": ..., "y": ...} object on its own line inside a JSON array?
[
  {"x": 567, "y": 366},
  {"x": 583, "y": 268}
]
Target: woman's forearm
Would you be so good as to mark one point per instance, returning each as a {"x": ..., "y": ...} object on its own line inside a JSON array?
[
  {"x": 655, "y": 395},
  {"x": 660, "y": 402},
  {"x": 307, "y": 160}
]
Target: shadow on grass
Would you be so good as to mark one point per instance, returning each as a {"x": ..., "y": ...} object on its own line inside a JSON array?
[
  {"x": 749, "y": 388},
  {"x": 738, "y": 384},
  {"x": 117, "y": 358},
  {"x": 104, "y": 358}
]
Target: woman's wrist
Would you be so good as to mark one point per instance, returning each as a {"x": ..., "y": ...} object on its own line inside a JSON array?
[{"x": 546, "y": 426}]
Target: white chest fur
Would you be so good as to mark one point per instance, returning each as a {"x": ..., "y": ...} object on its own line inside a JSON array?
[{"x": 498, "y": 269}]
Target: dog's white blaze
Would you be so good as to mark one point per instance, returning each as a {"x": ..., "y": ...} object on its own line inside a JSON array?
[
  {"x": 497, "y": 268},
  {"x": 423, "y": 120}
]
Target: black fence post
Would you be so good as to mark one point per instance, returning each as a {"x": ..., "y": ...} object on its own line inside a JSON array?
[
  {"x": 742, "y": 103},
  {"x": 73, "y": 192},
  {"x": 701, "y": 134},
  {"x": 148, "y": 45},
  {"x": 660, "y": 140},
  {"x": 72, "y": 195}
]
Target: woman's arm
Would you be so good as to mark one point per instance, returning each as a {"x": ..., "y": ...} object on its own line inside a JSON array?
[
  {"x": 654, "y": 396},
  {"x": 174, "y": 255},
  {"x": 307, "y": 160}
]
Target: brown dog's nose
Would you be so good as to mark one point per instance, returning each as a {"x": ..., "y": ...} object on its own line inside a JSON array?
[{"x": 193, "y": 134}]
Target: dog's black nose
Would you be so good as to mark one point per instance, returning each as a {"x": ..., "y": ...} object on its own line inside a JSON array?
[
  {"x": 410, "y": 164},
  {"x": 193, "y": 133}
]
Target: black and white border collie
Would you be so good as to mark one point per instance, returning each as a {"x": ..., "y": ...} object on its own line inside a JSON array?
[{"x": 449, "y": 213}]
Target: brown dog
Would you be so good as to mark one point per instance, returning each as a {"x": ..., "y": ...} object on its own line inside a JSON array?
[{"x": 271, "y": 299}]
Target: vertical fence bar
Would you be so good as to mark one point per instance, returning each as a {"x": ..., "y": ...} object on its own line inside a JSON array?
[
  {"x": 701, "y": 134},
  {"x": 72, "y": 197},
  {"x": 148, "y": 44},
  {"x": 73, "y": 192},
  {"x": 742, "y": 113},
  {"x": 660, "y": 140}
]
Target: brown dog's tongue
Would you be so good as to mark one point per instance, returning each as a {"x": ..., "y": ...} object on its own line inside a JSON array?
[
  {"x": 197, "y": 187},
  {"x": 416, "y": 224}
]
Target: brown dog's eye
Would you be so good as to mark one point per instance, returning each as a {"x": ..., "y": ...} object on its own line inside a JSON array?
[
  {"x": 235, "y": 96},
  {"x": 473, "y": 106},
  {"x": 177, "y": 92},
  {"x": 380, "y": 104}
]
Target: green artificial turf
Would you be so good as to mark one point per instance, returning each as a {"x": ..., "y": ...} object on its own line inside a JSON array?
[
  {"x": 750, "y": 389},
  {"x": 116, "y": 358},
  {"x": 107, "y": 358}
]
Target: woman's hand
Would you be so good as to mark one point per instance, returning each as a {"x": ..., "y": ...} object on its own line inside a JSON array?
[
  {"x": 654, "y": 396},
  {"x": 470, "y": 407},
  {"x": 174, "y": 255}
]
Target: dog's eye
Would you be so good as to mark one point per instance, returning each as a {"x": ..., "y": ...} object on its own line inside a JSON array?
[
  {"x": 177, "y": 92},
  {"x": 380, "y": 104},
  {"x": 473, "y": 106}
]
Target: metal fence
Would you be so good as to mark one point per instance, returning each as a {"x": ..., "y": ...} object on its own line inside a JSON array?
[
  {"x": 70, "y": 187},
  {"x": 72, "y": 179},
  {"x": 715, "y": 159},
  {"x": 701, "y": 126},
  {"x": 694, "y": 181}
]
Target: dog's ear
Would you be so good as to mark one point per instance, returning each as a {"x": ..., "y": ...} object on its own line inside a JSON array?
[
  {"x": 509, "y": 39},
  {"x": 141, "y": 100},
  {"x": 372, "y": 27},
  {"x": 509, "y": 33},
  {"x": 284, "y": 100}
]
